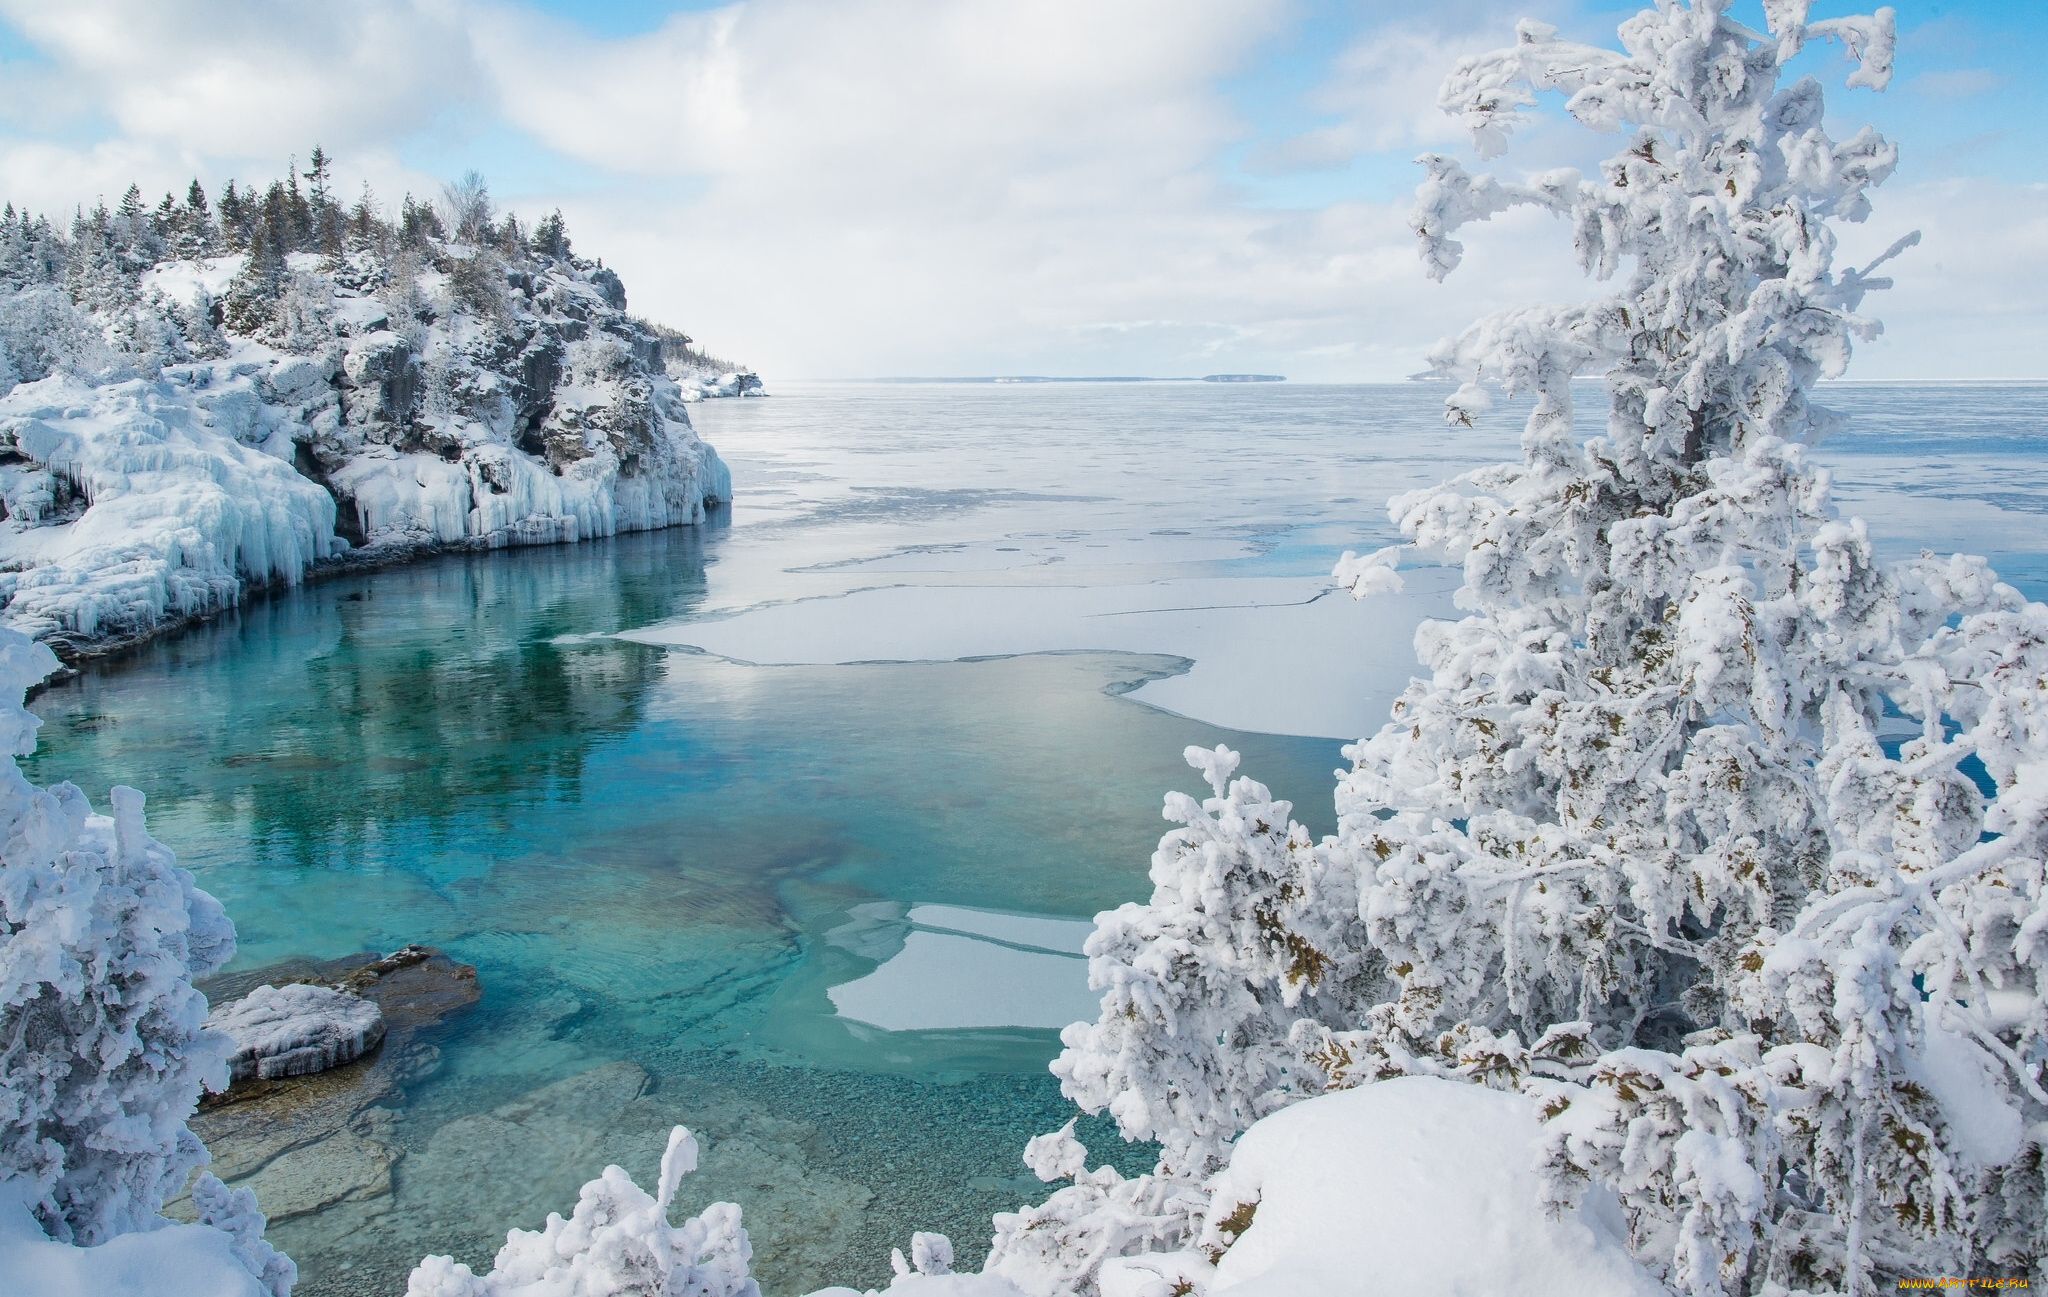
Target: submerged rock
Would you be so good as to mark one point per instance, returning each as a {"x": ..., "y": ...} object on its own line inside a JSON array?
[
  {"x": 306, "y": 1142},
  {"x": 296, "y": 1029}
]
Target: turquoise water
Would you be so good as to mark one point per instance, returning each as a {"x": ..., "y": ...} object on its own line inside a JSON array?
[
  {"x": 655, "y": 858},
  {"x": 661, "y": 840}
]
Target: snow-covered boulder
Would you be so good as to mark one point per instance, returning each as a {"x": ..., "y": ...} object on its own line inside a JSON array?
[
  {"x": 294, "y": 1030},
  {"x": 703, "y": 385},
  {"x": 1405, "y": 1186}
]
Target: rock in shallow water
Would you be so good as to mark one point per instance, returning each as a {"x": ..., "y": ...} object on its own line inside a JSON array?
[{"x": 294, "y": 1030}]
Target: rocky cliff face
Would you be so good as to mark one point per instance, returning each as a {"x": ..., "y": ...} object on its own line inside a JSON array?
[{"x": 438, "y": 395}]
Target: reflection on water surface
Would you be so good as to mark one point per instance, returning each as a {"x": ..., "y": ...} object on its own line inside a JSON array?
[{"x": 643, "y": 854}]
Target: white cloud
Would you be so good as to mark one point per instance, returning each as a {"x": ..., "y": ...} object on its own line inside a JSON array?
[
  {"x": 249, "y": 78},
  {"x": 1966, "y": 302},
  {"x": 210, "y": 88},
  {"x": 859, "y": 187},
  {"x": 1959, "y": 83}
]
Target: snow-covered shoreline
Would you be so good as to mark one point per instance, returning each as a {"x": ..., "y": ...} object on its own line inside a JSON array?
[{"x": 163, "y": 456}]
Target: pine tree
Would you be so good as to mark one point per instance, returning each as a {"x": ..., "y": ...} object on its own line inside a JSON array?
[
  {"x": 366, "y": 226},
  {"x": 551, "y": 236},
  {"x": 297, "y": 227},
  {"x": 1634, "y": 846},
  {"x": 197, "y": 235},
  {"x": 317, "y": 177},
  {"x": 417, "y": 223},
  {"x": 234, "y": 218},
  {"x": 327, "y": 215},
  {"x": 94, "y": 276}
]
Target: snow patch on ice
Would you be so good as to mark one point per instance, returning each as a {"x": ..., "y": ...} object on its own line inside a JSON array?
[
  {"x": 1064, "y": 936},
  {"x": 947, "y": 967},
  {"x": 1282, "y": 655},
  {"x": 940, "y": 981}
]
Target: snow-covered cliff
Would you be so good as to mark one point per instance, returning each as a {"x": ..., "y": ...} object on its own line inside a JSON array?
[{"x": 176, "y": 427}]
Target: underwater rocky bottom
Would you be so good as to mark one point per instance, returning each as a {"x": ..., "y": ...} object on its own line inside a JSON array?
[{"x": 368, "y": 1167}]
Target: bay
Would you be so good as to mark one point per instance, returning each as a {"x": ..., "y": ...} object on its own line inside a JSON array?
[{"x": 685, "y": 878}]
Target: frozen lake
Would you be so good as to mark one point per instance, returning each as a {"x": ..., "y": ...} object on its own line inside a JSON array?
[{"x": 803, "y": 814}]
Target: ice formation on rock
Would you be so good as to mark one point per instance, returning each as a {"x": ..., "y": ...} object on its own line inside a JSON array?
[
  {"x": 105, "y": 1050},
  {"x": 175, "y": 426},
  {"x": 617, "y": 1243},
  {"x": 282, "y": 1031}
]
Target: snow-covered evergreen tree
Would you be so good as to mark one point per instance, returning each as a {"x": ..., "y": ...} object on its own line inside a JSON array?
[
  {"x": 103, "y": 1049},
  {"x": 1635, "y": 845},
  {"x": 1246, "y": 933}
]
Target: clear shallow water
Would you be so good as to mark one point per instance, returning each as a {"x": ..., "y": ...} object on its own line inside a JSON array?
[{"x": 666, "y": 861}]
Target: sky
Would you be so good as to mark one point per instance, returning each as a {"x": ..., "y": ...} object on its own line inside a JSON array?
[{"x": 862, "y": 188}]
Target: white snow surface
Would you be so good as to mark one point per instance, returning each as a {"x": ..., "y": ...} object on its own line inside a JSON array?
[
  {"x": 293, "y": 1030},
  {"x": 175, "y": 1261},
  {"x": 195, "y": 282},
  {"x": 1961, "y": 1075},
  {"x": 1411, "y": 1185}
]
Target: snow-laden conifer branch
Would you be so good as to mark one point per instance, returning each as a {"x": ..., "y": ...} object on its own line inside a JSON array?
[
  {"x": 1741, "y": 828},
  {"x": 103, "y": 1048}
]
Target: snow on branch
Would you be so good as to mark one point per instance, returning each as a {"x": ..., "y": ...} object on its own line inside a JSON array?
[
  {"x": 103, "y": 1047},
  {"x": 1742, "y": 828}
]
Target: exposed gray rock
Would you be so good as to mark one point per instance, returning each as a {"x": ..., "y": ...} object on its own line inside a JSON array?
[
  {"x": 309, "y": 1143},
  {"x": 296, "y": 1029}
]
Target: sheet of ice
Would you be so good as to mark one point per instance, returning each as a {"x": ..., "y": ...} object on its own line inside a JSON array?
[
  {"x": 975, "y": 499},
  {"x": 1065, "y": 936},
  {"x": 940, "y": 981},
  {"x": 1281, "y": 655}
]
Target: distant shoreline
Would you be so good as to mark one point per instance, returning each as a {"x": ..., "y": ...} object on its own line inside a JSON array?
[{"x": 1120, "y": 378}]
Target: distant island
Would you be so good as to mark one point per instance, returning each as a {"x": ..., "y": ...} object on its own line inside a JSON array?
[{"x": 1044, "y": 378}]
